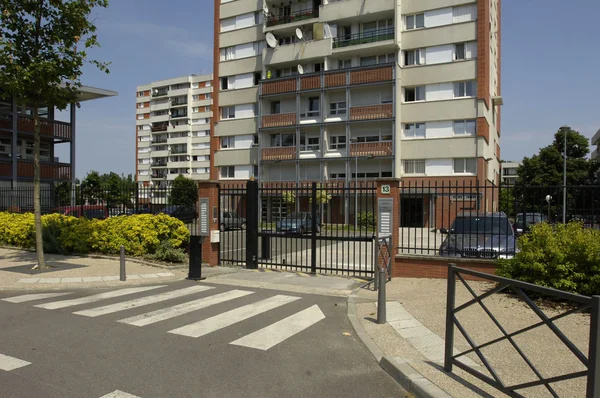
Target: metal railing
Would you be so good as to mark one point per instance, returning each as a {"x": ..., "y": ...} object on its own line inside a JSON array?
[
  {"x": 582, "y": 303},
  {"x": 273, "y": 20},
  {"x": 363, "y": 38},
  {"x": 160, "y": 93}
]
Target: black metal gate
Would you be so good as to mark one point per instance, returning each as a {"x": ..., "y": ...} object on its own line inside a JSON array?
[{"x": 316, "y": 228}]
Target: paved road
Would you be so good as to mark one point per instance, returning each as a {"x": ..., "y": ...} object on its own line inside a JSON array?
[{"x": 183, "y": 339}]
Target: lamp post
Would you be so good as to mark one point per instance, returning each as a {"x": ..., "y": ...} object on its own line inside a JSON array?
[
  {"x": 354, "y": 141},
  {"x": 565, "y": 130}
]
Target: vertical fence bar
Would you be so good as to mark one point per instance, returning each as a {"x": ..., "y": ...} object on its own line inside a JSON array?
[
  {"x": 593, "y": 379},
  {"x": 313, "y": 230},
  {"x": 252, "y": 225},
  {"x": 450, "y": 302}
]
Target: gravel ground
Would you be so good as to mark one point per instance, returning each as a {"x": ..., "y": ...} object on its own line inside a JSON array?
[{"x": 425, "y": 299}]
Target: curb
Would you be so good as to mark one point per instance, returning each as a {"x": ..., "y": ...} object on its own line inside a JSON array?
[{"x": 399, "y": 369}]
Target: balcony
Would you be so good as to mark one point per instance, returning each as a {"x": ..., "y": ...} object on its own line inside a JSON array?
[
  {"x": 48, "y": 170},
  {"x": 159, "y": 164},
  {"x": 279, "y": 86},
  {"x": 159, "y": 127},
  {"x": 301, "y": 51},
  {"x": 48, "y": 128},
  {"x": 159, "y": 141},
  {"x": 179, "y": 103},
  {"x": 355, "y": 9},
  {"x": 376, "y": 149},
  {"x": 279, "y": 120},
  {"x": 175, "y": 115},
  {"x": 159, "y": 175},
  {"x": 178, "y": 151},
  {"x": 363, "y": 38},
  {"x": 279, "y": 153},
  {"x": 370, "y": 112},
  {"x": 294, "y": 17},
  {"x": 160, "y": 106},
  {"x": 374, "y": 75},
  {"x": 160, "y": 93}
]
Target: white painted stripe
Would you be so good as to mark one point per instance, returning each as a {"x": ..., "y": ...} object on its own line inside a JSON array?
[
  {"x": 138, "y": 302},
  {"x": 228, "y": 318},
  {"x": 96, "y": 297},
  {"x": 181, "y": 309},
  {"x": 119, "y": 394},
  {"x": 274, "y": 334},
  {"x": 9, "y": 363},
  {"x": 31, "y": 297}
]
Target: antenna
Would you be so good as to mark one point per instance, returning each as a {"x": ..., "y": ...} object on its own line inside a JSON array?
[
  {"x": 299, "y": 33},
  {"x": 300, "y": 69},
  {"x": 271, "y": 40}
]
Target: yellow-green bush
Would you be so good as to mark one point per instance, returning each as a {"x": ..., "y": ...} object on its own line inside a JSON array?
[{"x": 141, "y": 235}]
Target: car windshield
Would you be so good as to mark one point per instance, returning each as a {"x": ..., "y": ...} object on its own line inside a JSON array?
[
  {"x": 528, "y": 219},
  {"x": 478, "y": 225},
  {"x": 294, "y": 216}
]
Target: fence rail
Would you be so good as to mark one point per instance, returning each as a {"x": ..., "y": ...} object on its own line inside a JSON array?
[{"x": 582, "y": 303}]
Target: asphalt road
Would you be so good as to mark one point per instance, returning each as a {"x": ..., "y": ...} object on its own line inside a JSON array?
[{"x": 82, "y": 350}]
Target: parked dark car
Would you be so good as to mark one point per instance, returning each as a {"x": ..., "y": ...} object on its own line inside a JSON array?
[
  {"x": 231, "y": 220},
  {"x": 524, "y": 221},
  {"x": 187, "y": 214},
  {"x": 297, "y": 223},
  {"x": 479, "y": 235},
  {"x": 99, "y": 212}
]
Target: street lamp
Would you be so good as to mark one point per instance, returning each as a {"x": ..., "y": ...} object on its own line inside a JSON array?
[
  {"x": 354, "y": 141},
  {"x": 565, "y": 130},
  {"x": 548, "y": 199}
]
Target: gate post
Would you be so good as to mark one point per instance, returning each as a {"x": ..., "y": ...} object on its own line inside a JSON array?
[
  {"x": 252, "y": 225},
  {"x": 210, "y": 246},
  {"x": 388, "y": 222},
  {"x": 313, "y": 230}
]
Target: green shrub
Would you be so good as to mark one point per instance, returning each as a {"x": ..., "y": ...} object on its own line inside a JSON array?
[
  {"x": 366, "y": 220},
  {"x": 166, "y": 252},
  {"x": 141, "y": 235},
  {"x": 564, "y": 257}
]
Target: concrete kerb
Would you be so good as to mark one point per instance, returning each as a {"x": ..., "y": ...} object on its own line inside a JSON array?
[{"x": 409, "y": 378}]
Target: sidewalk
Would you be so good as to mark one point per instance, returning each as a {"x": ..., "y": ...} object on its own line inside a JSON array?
[
  {"x": 81, "y": 272},
  {"x": 412, "y": 340}
]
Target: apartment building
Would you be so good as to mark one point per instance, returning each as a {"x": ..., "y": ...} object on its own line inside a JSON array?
[
  {"x": 509, "y": 172},
  {"x": 173, "y": 130},
  {"x": 351, "y": 90}
]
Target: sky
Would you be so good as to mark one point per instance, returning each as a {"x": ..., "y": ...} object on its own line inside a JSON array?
[{"x": 550, "y": 75}]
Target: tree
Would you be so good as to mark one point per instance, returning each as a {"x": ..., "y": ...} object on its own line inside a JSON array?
[
  {"x": 184, "y": 192},
  {"x": 43, "y": 47},
  {"x": 91, "y": 188},
  {"x": 323, "y": 196}
]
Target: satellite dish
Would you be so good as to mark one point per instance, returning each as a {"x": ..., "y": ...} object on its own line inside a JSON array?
[
  {"x": 156, "y": 91},
  {"x": 265, "y": 9},
  {"x": 299, "y": 33},
  {"x": 271, "y": 40},
  {"x": 300, "y": 69}
]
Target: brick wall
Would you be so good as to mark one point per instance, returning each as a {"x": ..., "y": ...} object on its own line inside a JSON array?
[
  {"x": 406, "y": 266},
  {"x": 210, "y": 251}
]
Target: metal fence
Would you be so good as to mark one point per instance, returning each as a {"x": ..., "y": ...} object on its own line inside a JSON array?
[
  {"x": 305, "y": 227},
  {"x": 591, "y": 361},
  {"x": 466, "y": 220}
]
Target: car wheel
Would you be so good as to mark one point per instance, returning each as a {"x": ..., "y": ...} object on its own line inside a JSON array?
[{"x": 222, "y": 227}]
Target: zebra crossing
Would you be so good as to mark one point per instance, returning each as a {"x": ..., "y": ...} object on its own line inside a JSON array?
[{"x": 134, "y": 299}]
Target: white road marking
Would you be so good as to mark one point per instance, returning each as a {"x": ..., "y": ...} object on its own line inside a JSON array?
[
  {"x": 9, "y": 363},
  {"x": 171, "y": 312},
  {"x": 138, "y": 302},
  {"x": 31, "y": 297},
  {"x": 274, "y": 334},
  {"x": 228, "y": 318},
  {"x": 96, "y": 297},
  {"x": 119, "y": 394}
]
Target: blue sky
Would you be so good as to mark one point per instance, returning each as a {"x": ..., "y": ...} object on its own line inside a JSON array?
[{"x": 550, "y": 75}]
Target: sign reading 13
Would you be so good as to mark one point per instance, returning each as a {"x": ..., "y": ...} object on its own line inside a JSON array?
[{"x": 385, "y": 189}]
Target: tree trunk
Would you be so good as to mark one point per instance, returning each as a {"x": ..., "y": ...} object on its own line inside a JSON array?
[{"x": 37, "y": 208}]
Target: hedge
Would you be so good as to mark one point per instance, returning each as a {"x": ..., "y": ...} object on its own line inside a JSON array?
[
  {"x": 564, "y": 257},
  {"x": 142, "y": 235}
]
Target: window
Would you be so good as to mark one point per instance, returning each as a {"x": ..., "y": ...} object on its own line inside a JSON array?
[
  {"x": 337, "y": 142},
  {"x": 337, "y": 108},
  {"x": 414, "y": 130},
  {"x": 257, "y": 77},
  {"x": 275, "y": 107},
  {"x": 412, "y": 94},
  {"x": 287, "y": 72},
  {"x": 366, "y": 61},
  {"x": 228, "y": 112},
  {"x": 337, "y": 176},
  {"x": 313, "y": 106},
  {"x": 309, "y": 144},
  {"x": 414, "y": 21},
  {"x": 281, "y": 140},
  {"x": 368, "y": 138},
  {"x": 465, "y": 89},
  {"x": 344, "y": 63},
  {"x": 227, "y": 142},
  {"x": 227, "y": 172},
  {"x": 414, "y": 167},
  {"x": 465, "y": 166},
  {"x": 465, "y": 127},
  {"x": 140, "y": 94},
  {"x": 225, "y": 83},
  {"x": 464, "y": 13},
  {"x": 459, "y": 51},
  {"x": 465, "y": 50},
  {"x": 140, "y": 105},
  {"x": 140, "y": 116},
  {"x": 414, "y": 57}
]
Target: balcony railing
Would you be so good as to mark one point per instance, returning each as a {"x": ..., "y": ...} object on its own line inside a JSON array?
[
  {"x": 178, "y": 114},
  {"x": 279, "y": 153},
  {"x": 48, "y": 170},
  {"x": 48, "y": 128},
  {"x": 159, "y": 127},
  {"x": 364, "y": 38},
  {"x": 179, "y": 103},
  {"x": 159, "y": 164},
  {"x": 279, "y": 120},
  {"x": 159, "y": 141},
  {"x": 159, "y": 175},
  {"x": 332, "y": 78},
  {"x": 371, "y": 149},
  {"x": 294, "y": 17},
  {"x": 160, "y": 93},
  {"x": 176, "y": 151},
  {"x": 369, "y": 112}
]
